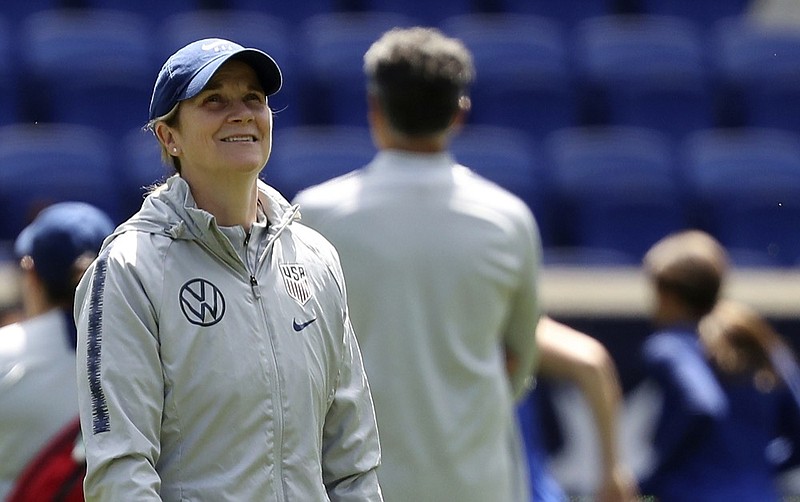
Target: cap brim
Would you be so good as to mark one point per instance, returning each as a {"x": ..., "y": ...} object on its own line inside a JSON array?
[{"x": 267, "y": 70}]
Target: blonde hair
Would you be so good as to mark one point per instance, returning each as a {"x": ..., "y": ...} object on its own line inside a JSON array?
[{"x": 740, "y": 342}]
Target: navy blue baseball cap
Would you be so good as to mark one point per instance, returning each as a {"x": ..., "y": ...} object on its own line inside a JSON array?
[
  {"x": 188, "y": 71},
  {"x": 58, "y": 235}
]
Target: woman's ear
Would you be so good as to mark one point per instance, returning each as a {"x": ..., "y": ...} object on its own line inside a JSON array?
[{"x": 166, "y": 136}]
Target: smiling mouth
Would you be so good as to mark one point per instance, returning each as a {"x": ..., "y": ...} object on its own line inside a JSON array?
[{"x": 240, "y": 139}]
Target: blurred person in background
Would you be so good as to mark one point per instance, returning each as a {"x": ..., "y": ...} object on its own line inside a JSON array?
[
  {"x": 571, "y": 356},
  {"x": 427, "y": 265},
  {"x": 38, "y": 393},
  {"x": 760, "y": 368},
  {"x": 442, "y": 270},
  {"x": 216, "y": 359},
  {"x": 719, "y": 408}
]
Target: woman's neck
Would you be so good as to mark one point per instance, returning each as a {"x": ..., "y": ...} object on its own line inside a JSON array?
[{"x": 232, "y": 200}]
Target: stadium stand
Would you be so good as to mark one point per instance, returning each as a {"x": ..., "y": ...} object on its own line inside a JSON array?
[
  {"x": 758, "y": 70},
  {"x": 152, "y": 10},
  {"x": 615, "y": 189},
  {"x": 567, "y": 12},
  {"x": 16, "y": 12},
  {"x": 307, "y": 155},
  {"x": 427, "y": 12},
  {"x": 88, "y": 66},
  {"x": 47, "y": 163},
  {"x": 561, "y": 53},
  {"x": 743, "y": 186},
  {"x": 292, "y": 11},
  {"x": 332, "y": 75},
  {"x": 645, "y": 71},
  {"x": 704, "y": 12},
  {"x": 523, "y": 75}
]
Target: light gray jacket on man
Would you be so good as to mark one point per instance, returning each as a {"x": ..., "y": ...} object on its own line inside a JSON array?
[
  {"x": 212, "y": 368},
  {"x": 442, "y": 267}
]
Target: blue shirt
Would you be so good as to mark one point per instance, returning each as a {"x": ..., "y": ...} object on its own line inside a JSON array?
[{"x": 713, "y": 432}]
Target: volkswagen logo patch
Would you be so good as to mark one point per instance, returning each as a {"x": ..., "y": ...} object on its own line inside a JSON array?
[{"x": 202, "y": 302}]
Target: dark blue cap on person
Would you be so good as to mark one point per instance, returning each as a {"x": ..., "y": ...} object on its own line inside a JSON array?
[
  {"x": 188, "y": 71},
  {"x": 58, "y": 236}
]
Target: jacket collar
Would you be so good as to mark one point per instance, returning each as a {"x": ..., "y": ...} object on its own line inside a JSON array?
[
  {"x": 171, "y": 210},
  {"x": 412, "y": 164}
]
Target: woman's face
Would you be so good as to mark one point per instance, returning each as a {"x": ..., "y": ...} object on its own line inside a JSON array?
[{"x": 226, "y": 128}]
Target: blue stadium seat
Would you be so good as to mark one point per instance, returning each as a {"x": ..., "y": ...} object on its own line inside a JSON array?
[
  {"x": 508, "y": 157},
  {"x": 251, "y": 29},
  {"x": 46, "y": 163},
  {"x": 139, "y": 168},
  {"x": 332, "y": 57},
  {"x": 704, "y": 12},
  {"x": 567, "y": 12},
  {"x": 152, "y": 10},
  {"x": 15, "y": 12},
  {"x": 89, "y": 66},
  {"x": 744, "y": 187},
  {"x": 308, "y": 155},
  {"x": 616, "y": 187},
  {"x": 759, "y": 71},
  {"x": 292, "y": 11},
  {"x": 427, "y": 12},
  {"x": 523, "y": 75},
  {"x": 645, "y": 71},
  {"x": 587, "y": 256}
]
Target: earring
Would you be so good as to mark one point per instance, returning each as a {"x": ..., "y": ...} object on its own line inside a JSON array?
[{"x": 174, "y": 150}]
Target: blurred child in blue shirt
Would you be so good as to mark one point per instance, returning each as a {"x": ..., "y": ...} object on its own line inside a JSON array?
[{"x": 724, "y": 399}]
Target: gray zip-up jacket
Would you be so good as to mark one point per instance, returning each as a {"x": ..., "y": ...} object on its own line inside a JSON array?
[{"x": 203, "y": 377}]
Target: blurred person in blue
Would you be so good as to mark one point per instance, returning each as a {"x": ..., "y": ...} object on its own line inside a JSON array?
[
  {"x": 38, "y": 390},
  {"x": 573, "y": 357},
  {"x": 746, "y": 350},
  {"x": 721, "y": 403},
  {"x": 216, "y": 358},
  {"x": 442, "y": 267}
]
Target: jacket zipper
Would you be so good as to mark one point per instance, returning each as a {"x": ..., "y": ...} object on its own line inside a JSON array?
[
  {"x": 274, "y": 377},
  {"x": 253, "y": 280}
]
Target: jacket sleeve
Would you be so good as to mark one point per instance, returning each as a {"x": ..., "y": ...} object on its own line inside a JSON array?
[
  {"x": 524, "y": 310},
  {"x": 350, "y": 446},
  {"x": 120, "y": 383}
]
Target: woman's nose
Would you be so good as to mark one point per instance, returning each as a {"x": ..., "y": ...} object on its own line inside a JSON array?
[{"x": 241, "y": 112}]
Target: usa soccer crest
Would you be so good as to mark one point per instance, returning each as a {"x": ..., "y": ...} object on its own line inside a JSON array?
[{"x": 296, "y": 282}]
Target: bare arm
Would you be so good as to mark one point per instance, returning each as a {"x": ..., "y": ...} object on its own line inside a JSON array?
[{"x": 568, "y": 354}]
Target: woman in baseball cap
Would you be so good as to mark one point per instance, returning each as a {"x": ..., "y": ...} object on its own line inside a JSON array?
[
  {"x": 187, "y": 72},
  {"x": 217, "y": 359},
  {"x": 37, "y": 354}
]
